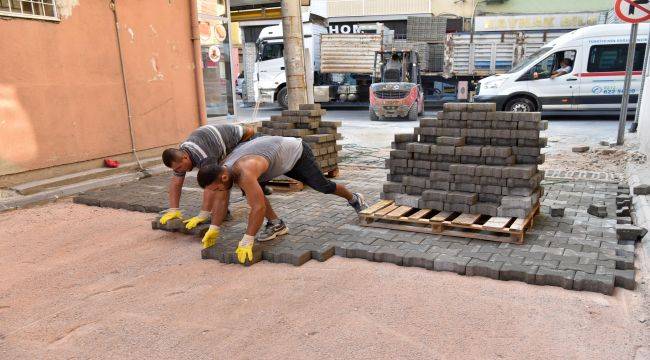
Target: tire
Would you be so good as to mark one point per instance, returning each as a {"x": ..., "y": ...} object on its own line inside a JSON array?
[
  {"x": 521, "y": 104},
  {"x": 413, "y": 112},
  {"x": 283, "y": 98},
  {"x": 373, "y": 116}
]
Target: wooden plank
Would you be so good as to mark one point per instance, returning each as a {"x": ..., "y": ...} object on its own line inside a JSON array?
[
  {"x": 399, "y": 212},
  {"x": 378, "y": 206},
  {"x": 466, "y": 219},
  {"x": 497, "y": 223},
  {"x": 412, "y": 228},
  {"x": 477, "y": 235},
  {"x": 420, "y": 214},
  {"x": 441, "y": 216},
  {"x": 385, "y": 210}
]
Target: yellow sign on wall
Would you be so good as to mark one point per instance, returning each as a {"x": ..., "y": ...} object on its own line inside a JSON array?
[{"x": 536, "y": 22}]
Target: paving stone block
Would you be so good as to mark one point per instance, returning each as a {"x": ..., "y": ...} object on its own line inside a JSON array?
[
  {"x": 450, "y": 141},
  {"x": 510, "y": 125},
  {"x": 443, "y": 150},
  {"x": 418, "y": 148},
  {"x": 430, "y": 204},
  {"x": 629, "y": 232},
  {"x": 171, "y": 225},
  {"x": 485, "y": 208},
  {"x": 531, "y": 260},
  {"x": 389, "y": 254},
  {"x": 517, "y": 272},
  {"x": 86, "y": 200},
  {"x": 561, "y": 278},
  {"x": 434, "y": 195},
  {"x": 455, "y": 207},
  {"x": 198, "y": 230},
  {"x": 483, "y": 107},
  {"x": 438, "y": 175},
  {"x": 406, "y": 138},
  {"x": 453, "y": 107},
  {"x": 419, "y": 259},
  {"x": 624, "y": 211},
  {"x": 463, "y": 169},
  {"x": 393, "y": 187},
  {"x": 527, "y": 116},
  {"x": 519, "y": 171},
  {"x": 497, "y": 151},
  {"x": 407, "y": 200},
  {"x": 295, "y": 257},
  {"x": 599, "y": 210},
  {"x": 488, "y": 269},
  {"x": 362, "y": 251},
  {"x": 567, "y": 265},
  {"x": 399, "y": 154},
  {"x": 461, "y": 198},
  {"x": 557, "y": 211},
  {"x": 488, "y": 171},
  {"x": 319, "y": 252},
  {"x": 643, "y": 189},
  {"x": 450, "y": 263},
  {"x": 463, "y": 187},
  {"x": 517, "y": 202},
  {"x": 493, "y": 181},
  {"x": 625, "y": 279},
  {"x": 469, "y": 150},
  {"x": 601, "y": 283}
]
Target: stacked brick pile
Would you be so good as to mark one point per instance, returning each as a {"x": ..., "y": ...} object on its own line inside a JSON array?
[
  {"x": 470, "y": 159},
  {"x": 306, "y": 123}
]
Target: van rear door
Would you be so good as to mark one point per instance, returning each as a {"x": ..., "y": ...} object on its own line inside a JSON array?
[{"x": 602, "y": 77}]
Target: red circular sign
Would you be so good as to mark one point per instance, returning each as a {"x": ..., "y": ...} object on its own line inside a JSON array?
[{"x": 633, "y": 11}]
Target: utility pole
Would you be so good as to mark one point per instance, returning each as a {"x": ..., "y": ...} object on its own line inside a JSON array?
[
  {"x": 626, "y": 84},
  {"x": 294, "y": 55}
]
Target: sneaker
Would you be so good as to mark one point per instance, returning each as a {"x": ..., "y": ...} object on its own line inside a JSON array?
[
  {"x": 267, "y": 190},
  {"x": 358, "y": 203},
  {"x": 271, "y": 231}
]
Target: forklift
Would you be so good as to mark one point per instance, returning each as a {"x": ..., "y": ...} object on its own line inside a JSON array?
[{"x": 396, "y": 90}]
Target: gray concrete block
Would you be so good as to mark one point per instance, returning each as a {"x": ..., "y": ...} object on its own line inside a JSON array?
[
  {"x": 434, "y": 195},
  {"x": 517, "y": 272},
  {"x": 448, "y": 107},
  {"x": 461, "y": 198},
  {"x": 473, "y": 132},
  {"x": 469, "y": 150},
  {"x": 362, "y": 251},
  {"x": 432, "y": 122},
  {"x": 508, "y": 212},
  {"x": 455, "y": 207},
  {"x": 486, "y": 107},
  {"x": 452, "y": 115},
  {"x": 463, "y": 187},
  {"x": 485, "y": 208},
  {"x": 557, "y": 211},
  {"x": 389, "y": 254},
  {"x": 519, "y": 171},
  {"x": 86, "y": 200},
  {"x": 476, "y": 160},
  {"x": 393, "y": 187},
  {"x": 598, "y": 209},
  {"x": 643, "y": 189},
  {"x": 498, "y": 161},
  {"x": 505, "y": 142},
  {"x": 466, "y": 179},
  {"x": 628, "y": 232},
  {"x": 419, "y": 259},
  {"x": 443, "y": 150},
  {"x": 526, "y": 151},
  {"x": 552, "y": 277},
  {"x": 494, "y": 181},
  {"x": 415, "y": 181},
  {"x": 488, "y": 170},
  {"x": 439, "y": 185},
  {"x": 418, "y": 148},
  {"x": 438, "y": 175},
  {"x": 407, "y": 200},
  {"x": 527, "y": 116},
  {"x": 406, "y": 138},
  {"x": 396, "y": 163},
  {"x": 456, "y": 264},
  {"x": 518, "y": 191},
  {"x": 510, "y": 125},
  {"x": 601, "y": 283},
  {"x": 489, "y": 189},
  {"x": 436, "y": 205},
  {"x": 450, "y": 141},
  {"x": 497, "y": 151},
  {"x": 295, "y": 257},
  {"x": 463, "y": 169},
  {"x": 568, "y": 265},
  {"x": 488, "y": 269},
  {"x": 624, "y": 279}
]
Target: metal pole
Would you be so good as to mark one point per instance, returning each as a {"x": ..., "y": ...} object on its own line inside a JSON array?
[
  {"x": 644, "y": 73},
  {"x": 294, "y": 55},
  {"x": 626, "y": 86}
]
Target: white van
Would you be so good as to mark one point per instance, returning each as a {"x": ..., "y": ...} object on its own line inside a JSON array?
[{"x": 594, "y": 82}]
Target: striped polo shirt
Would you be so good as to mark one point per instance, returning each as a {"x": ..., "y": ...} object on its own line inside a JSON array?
[{"x": 211, "y": 141}]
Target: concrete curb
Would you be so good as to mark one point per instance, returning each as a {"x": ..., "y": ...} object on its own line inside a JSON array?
[
  {"x": 68, "y": 190},
  {"x": 641, "y": 205}
]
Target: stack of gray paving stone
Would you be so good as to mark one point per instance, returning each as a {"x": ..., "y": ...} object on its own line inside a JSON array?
[
  {"x": 470, "y": 159},
  {"x": 306, "y": 123}
]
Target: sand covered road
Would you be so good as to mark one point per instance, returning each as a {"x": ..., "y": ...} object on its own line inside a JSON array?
[{"x": 83, "y": 282}]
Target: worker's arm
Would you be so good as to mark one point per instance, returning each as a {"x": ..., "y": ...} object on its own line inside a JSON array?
[
  {"x": 219, "y": 210},
  {"x": 174, "y": 195},
  {"x": 249, "y": 132},
  {"x": 255, "y": 197}
]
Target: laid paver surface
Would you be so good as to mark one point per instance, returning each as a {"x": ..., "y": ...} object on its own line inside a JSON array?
[{"x": 578, "y": 251}]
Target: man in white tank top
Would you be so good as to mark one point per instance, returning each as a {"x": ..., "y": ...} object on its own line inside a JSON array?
[{"x": 261, "y": 160}]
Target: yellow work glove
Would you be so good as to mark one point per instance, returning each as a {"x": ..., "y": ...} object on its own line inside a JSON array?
[
  {"x": 170, "y": 214},
  {"x": 193, "y": 222},
  {"x": 245, "y": 249},
  {"x": 210, "y": 237}
]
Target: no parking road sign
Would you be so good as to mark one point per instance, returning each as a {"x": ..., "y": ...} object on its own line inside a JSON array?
[{"x": 633, "y": 11}]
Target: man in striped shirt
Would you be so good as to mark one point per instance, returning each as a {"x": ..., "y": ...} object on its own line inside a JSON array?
[{"x": 209, "y": 141}]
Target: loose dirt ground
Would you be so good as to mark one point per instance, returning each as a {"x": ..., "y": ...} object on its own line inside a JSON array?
[{"x": 82, "y": 282}]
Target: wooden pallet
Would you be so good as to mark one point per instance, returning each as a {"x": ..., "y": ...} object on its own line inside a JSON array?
[
  {"x": 385, "y": 214},
  {"x": 285, "y": 185}
]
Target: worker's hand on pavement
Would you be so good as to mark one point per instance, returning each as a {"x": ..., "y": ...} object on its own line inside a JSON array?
[
  {"x": 191, "y": 223},
  {"x": 245, "y": 249},
  {"x": 210, "y": 237},
  {"x": 170, "y": 214}
]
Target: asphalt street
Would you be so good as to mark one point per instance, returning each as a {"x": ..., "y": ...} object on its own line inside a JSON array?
[{"x": 358, "y": 130}]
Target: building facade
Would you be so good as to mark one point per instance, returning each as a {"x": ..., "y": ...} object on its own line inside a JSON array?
[{"x": 75, "y": 88}]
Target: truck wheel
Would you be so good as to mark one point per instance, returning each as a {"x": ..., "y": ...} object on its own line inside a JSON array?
[
  {"x": 520, "y": 105},
  {"x": 413, "y": 113},
  {"x": 373, "y": 116},
  {"x": 283, "y": 98}
]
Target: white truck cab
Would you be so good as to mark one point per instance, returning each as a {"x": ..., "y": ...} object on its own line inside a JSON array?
[
  {"x": 590, "y": 79},
  {"x": 270, "y": 77}
]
